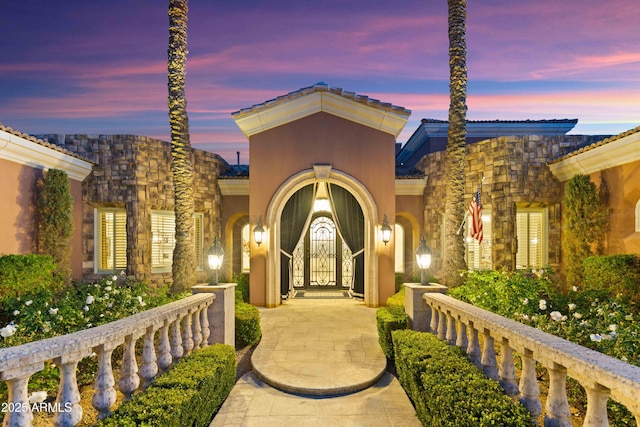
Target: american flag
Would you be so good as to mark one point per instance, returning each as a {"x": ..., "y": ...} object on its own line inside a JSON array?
[{"x": 475, "y": 211}]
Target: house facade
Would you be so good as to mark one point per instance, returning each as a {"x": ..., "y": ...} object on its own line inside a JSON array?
[{"x": 326, "y": 179}]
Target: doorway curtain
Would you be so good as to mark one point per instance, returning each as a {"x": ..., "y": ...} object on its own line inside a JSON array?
[
  {"x": 294, "y": 219},
  {"x": 350, "y": 222}
]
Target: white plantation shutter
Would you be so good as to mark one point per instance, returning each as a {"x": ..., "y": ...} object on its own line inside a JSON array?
[
  {"x": 112, "y": 240},
  {"x": 479, "y": 255},
  {"x": 163, "y": 241},
  {"x": 532, "y": 241}
]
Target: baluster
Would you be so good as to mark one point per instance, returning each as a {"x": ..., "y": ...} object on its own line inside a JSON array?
[
  {"x": 149, "y": 365},
  {"x": 442, "y": 325},
  {"x": 529, "y": 390},
  {"x": 488, "y": 356},
  {"x": 164, "y": 348},
  {"x": 196, "y": 330},
  {"x": 187, "y": 341},
  {"x": 507, "y": 370},
  {"x": 597, "y": 397},
  {"x": 204, "y": 320},
  {"x": 473, "y": 348},
  {"x": 176, "y": 342},
  {"x": 433, "y": 325},
  {"x": 70, "y": 411},
  {"x": 129, "y": 379},
  {"x": 17, "y": 382},
  {"x": 558, "y": 413},
  {"x": 105, "y": 394},
  {"x": 462, "y": 340},
  {"x": 451, "y": 329}
]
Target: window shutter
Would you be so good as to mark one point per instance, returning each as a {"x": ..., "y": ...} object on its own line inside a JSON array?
[{"x": 112, "y": 240}]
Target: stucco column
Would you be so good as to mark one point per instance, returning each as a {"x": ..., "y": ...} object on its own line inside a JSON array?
[{"x": 417, "y": 310}]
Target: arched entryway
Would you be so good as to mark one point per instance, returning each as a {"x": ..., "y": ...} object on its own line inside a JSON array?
[{"x": 283, "y": 238}]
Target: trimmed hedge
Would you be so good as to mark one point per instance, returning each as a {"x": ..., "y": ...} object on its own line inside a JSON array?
[
  {"x": 619, "y": 275},
  {"x": 248, "y": 330},
  {"x": 20, "y": 274},
  {"x": 189, "y": 394},
  {"x": 389, "y": 319},
  {"x": 447, "y": 390}
]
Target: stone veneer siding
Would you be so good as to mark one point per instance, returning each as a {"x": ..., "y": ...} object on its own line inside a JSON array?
[
  {"x": 516, "y": 176},
  {"x": 134, "y": 173}
]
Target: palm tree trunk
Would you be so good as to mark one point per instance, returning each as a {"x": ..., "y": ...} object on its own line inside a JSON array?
[
  {"x": 454, "y": 262},
  {"x": 183, "y": 268}
]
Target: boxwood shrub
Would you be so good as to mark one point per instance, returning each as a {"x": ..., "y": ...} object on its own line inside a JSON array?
[
  {"x": 248, "y": 330},
  {"x": 20, "y": 274},
  {"x": 447, "y": 390},
  {"x": 189, "y": 394},
  {"x": 619, "y": 275},
  {"x": 389, "y": 319}
]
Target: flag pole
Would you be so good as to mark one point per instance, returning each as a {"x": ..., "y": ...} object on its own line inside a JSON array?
[{"x": 466, "y": 214}]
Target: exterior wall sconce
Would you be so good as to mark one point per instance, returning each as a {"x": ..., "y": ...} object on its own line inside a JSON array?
[
  {"x": 258, "y": 232},
  {"x": 214, "y": 258},
  {"x": 423, "y": 257},
  {"x": 386, "y": 230}
]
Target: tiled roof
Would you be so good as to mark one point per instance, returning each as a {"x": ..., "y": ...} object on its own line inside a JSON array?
[
  {"x": 548, "y": 121},
  {"x": 322, "y": 87},
  {"x": 43, "y": 143},
  {"x": 598, "y": 144}
]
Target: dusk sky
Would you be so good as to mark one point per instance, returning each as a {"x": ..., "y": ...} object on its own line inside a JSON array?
[{"x": 100, "y": 66}]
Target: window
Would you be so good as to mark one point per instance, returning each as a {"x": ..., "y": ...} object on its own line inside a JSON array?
[
  {"x": 111, "y": 241},
  {"x": 531, "y": 232},
  {"x": 399, "y": 248},
  {"x": 246, "y": 254},
  {"x": 479, "y": 255},
  {"x": 163, "y": 229}
]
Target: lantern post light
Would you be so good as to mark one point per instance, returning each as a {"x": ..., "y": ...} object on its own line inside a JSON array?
[
  {"x": 423, "y": 257},
  {"x": 214, "y": 258}
]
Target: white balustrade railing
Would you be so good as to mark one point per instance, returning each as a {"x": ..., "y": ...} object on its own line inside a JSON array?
[
  {"x": 459, "y": 323},
  {"x": 180, "y": 327}
]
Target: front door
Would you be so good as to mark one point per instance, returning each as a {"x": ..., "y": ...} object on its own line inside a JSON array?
[{"x": 322, "y": 260}]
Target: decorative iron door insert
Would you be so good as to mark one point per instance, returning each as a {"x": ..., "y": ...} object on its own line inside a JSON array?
[{"x": 322, "y": 252}]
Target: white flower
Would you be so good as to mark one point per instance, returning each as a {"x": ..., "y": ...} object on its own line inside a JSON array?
[
  {"x": 595, "y": 337},
  {"x": 525, "y": 316},
  {"x": 572, "y": 307},
  {"x": 525, "y": 301},
  {"x": 542, "y": 304},
  {"x": 109, "y": 283},
  {"x": 556, "y": 315},
  {"x": 114, "y": 277},
  {"x": 85, "y": 308},
  {"x": 90, "y": 299},
  {"x": 38, "y": 397},
  {"x": 89, "y": 325},
  {"x": 28, "y": 302},
  {"x": 108, "y": 289},
  {"x": 16, "y": 312},
  {"x": 575, "y": 289},
  {"x": 110, "y": 305},
  {"x": 122, "y": 273},
  {"x": 8, "y": 330},
  {"x": 142, "y": 303},
  {"x": 53, "y": 311},
  {"x": 577, "y": 315},
  {"x": 613, "y": 328}
]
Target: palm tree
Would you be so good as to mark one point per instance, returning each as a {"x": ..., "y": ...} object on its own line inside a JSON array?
[
  {"x": 454, "y": 261},
  {"x": 182, "y": 167}
]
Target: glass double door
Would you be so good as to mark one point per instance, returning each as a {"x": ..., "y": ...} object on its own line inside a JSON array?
[{"x": 322, "y": 260}]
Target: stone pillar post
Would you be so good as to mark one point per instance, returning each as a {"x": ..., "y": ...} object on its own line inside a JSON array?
[
  {"x": 417, "y": 310},
  {"x": 222, "y": 322}
]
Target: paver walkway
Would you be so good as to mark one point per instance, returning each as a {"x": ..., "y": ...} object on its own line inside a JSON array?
[{"x": 318, "y": 364}]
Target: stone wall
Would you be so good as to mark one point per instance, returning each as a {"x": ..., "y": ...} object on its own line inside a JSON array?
[
  {"x": 516, "y": 176},
  {"x": 134, "y": 173}
]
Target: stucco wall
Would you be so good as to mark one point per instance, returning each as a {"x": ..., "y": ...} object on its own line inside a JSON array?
[
  {"x": 18, "y": 222},
  {"x": 364, "y": 153}
]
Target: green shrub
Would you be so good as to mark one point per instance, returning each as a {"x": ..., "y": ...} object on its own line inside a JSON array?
[
  {"x": 619, "y": 275},
  {"x": 248, "y": 330},
  {"x": 389, "y": 320},
  {"x": 188, "y": 394},
  {"x": 397, "y": 300},
  {"x": 242, "y": 286},
  {"x": 447, "y": 390},
  {"x": 20, "y": 274}
]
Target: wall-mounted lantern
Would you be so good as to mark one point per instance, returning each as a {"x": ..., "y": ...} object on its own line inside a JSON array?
[
  {"x": 258, "y": 232},
  {"x": 423, "y": 258},
  {"x": 215, "y": 257},
  {"x": 386, "y": 230}
]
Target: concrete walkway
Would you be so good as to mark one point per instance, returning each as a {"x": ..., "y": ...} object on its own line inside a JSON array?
[{"x": 318, "y": 364}]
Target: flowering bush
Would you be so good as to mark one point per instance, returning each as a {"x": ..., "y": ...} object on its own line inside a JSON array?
[{"x": 590, "y": 317}]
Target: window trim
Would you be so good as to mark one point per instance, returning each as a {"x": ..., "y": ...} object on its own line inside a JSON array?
[{"x": 638, "y": 216}]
